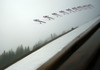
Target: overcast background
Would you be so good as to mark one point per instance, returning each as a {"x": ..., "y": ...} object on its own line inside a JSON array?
[{"x": 17, "y": 26}]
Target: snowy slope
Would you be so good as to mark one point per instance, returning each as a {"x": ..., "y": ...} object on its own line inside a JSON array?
[{"x": 36, "y": 59}]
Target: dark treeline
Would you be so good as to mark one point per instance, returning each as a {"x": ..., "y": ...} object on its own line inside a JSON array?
[{"x": 9, "y": 57}]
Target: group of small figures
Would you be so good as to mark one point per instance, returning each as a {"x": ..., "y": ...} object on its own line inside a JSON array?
[{"x": 68, "y": 11}]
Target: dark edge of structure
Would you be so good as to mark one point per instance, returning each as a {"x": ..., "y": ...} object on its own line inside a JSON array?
[{"x": 60, "y": 60}]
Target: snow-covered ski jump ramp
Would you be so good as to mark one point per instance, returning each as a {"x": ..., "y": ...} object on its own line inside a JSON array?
[
  {"x": 60, "y": 45},
  {"x": 31, "y": 22}
]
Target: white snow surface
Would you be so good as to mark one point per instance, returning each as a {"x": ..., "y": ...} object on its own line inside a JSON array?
[{"x": 36, "y": 59}]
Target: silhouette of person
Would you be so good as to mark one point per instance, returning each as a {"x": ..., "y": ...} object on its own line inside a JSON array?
[
  {"x": 55, "y": 14},
  {"x": 63, "y": 12},
  {"x": 69, "y": 10},
  {"x": 75, "y": 9},
  {"x": 48, "y": 17},
  {"x": 79, "y": 8},
  {"x": 37, "y": 20}
]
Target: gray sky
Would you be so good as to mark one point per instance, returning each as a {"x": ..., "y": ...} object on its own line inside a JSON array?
[{"x": 17, "y": 26}]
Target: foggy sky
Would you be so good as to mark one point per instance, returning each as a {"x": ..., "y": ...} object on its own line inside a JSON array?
[{"x": 17, "y": 26}]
